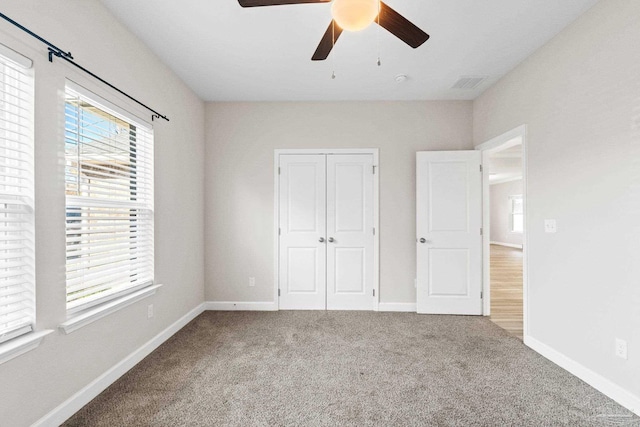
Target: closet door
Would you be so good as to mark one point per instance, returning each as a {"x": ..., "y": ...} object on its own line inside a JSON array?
[
  {"x": 350, "y": 238},
  {"x": 302, "y": 246}
]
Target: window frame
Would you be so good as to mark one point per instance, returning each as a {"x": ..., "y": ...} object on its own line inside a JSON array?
[
  {"x": 84, "y": 312},
  {"x": 24, "y": 66},
  {"x": 512, "y": 213}
]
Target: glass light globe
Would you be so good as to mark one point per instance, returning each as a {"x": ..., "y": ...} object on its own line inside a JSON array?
[{"x": 354, "y": 15}]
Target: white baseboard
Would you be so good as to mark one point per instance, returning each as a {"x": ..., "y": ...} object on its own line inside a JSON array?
[
  {"x": 597, "y": 381},
  {"x": 402, "y": 307},
  {"x": 240, "y": 306},
  {"x": 509, "y": 245},
  {"x": 72, "y": 405}
]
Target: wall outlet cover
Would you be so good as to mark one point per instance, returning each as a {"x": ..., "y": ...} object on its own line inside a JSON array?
[
  {"x": 550, "y": 226},
  {"x": 621, "y": 348}
]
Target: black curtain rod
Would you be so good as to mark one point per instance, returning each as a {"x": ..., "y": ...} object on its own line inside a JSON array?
[{"x": 56, "y": 51}]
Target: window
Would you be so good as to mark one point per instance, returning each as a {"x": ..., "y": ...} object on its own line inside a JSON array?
[
  {"x": 17, "y": 277},
  {"x": 517, "y": 214},
  {"x": 109, "y": 201}
]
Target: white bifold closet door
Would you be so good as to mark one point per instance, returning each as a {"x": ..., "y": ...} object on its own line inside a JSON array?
[{"x": 326, "y": 232}]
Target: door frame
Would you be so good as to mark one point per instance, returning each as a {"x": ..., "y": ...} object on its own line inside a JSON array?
[
  {"x": 499, "y": 143},
  {"x": 376, "y": 211}
]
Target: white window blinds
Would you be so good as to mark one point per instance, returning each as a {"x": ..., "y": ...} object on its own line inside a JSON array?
[
  {"x": 17, "y": 277},
  {"x": 109, "y": 202}
]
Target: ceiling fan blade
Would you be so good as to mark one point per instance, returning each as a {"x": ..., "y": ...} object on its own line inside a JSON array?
[
  {"x": 328, "y": 41},
  {"x": 401, "y": 27},
  {"x": 254, "y": 3}
]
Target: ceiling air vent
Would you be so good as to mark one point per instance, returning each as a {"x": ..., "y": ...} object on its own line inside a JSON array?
[{"x": 469, "y": 83}]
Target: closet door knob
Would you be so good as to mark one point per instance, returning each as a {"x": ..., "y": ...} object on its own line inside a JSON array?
[
  {"x": 331, "y": 240},
  {"x": 321, "y": 240},
  {"x": 423, "y": 240}
]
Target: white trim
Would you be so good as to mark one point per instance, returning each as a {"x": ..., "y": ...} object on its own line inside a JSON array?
[
  {"x": 373, "y": 151},
  {"x": 595, "y": 380},
  {"x": 509, "y": 245},
  {"x": 89, "y": 316},
  {"x": 110, "y": 107},
  {"x": 505, "y": 180},
  {"x": 15, "y": 57},
  {"x": 240, "y": 306},
  {"x": 507, "y": 140},
  {"x": 72, "y": 405},
  {"x": 376, "y": 211},
  {"x": 22, "y": 344},
  {"x": 399, "y": 307}
]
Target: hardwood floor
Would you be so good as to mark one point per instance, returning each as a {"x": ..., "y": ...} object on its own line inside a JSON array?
[{"x": 506, "y": 288}]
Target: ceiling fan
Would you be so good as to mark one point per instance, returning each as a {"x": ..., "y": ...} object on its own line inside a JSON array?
[{"x": 355, "y": 15}]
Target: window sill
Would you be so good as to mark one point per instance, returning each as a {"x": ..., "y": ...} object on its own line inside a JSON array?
[
  {"x": 91, "y": 315},
  {"x": 22, "y": 344}
]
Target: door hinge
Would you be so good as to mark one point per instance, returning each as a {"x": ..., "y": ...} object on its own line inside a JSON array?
[
  {"x": 374, "y": 292},
  {"x": 279, "y": 231},
  {"x": 278, "y": 292},
  {"x": 480, "y": 168},
  {"x": 481, "y": 294},
  {"x": 374, "y": 231},
  {"x": 278, "y": 170},
  {"x": 481, "y": 231},
  {"x": 374, "y": 169}
]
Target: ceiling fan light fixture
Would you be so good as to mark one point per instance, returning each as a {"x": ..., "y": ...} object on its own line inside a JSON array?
[{"x": 355, "y": 15}]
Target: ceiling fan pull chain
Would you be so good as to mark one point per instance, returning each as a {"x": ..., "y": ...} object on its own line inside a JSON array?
[
  {"x": 333, "y": 44},
  {"x": 378, "y": 34}
]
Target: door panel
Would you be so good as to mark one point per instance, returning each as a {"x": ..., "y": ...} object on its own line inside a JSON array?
[
  {"x": 449, "y": 219},
  {"x": 350, "y": 195},
  {"x": 302, "y": 269},
  {"x": 448, "y": 272},
  {"x": 350, "y": 270},
  {"x": 303, "y": 197},
  {"x": 448, "y": 209},
  {"x": 350, "y": 226},
  {"x": 302, "y": 276}
]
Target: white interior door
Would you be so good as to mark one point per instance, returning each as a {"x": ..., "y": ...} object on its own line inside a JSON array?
[
  {"x": 302, "y": 258},
  {"x": 350, "y": 238},
  {"x": 449, "y": 240}
]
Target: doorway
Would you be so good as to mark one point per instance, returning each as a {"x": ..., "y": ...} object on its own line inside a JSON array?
[
  {"x": 326, "y": 220},
  {"x": 504, "y": 239}
]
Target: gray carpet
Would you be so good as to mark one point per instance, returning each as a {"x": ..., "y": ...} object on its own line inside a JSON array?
[{"x": 347, "y": 368}]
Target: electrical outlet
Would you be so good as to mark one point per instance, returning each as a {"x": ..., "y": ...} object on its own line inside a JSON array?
[
  {"x": 149, "y": 311},
  {"x": 621, "y": 348},
  {"x": 252, "y": 281},
  {"x": 550, "y": 226}
]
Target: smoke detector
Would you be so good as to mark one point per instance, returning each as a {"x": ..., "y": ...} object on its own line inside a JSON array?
[{"x": 401, "y": 78}]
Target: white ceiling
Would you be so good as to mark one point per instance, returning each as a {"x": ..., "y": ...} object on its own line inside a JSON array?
[
  {"x": 228, "y": 53},
  {"x": 505, "y": 165}
]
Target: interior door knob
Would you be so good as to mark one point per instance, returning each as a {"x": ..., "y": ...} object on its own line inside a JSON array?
[
  {"x": 423, "y": 240},
  {"x": 331, "y": 240},
  {"x": 321, "y": 240}
]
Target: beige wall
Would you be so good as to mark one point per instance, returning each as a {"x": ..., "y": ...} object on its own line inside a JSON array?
[
  {"x": 500, "y": 212},
  {"x": 240, "y": 141},
  {"x": 580, "y": 97},
  {"x": 33, "y": 384}
]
